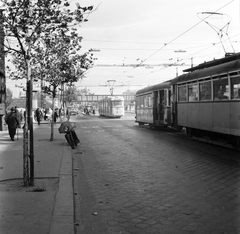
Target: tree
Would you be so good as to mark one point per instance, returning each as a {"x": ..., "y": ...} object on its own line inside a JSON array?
[
  {"x": 35, "y": 24},
  {"x": 71, "y": 94},
  {"x": 9, "y": 95}
]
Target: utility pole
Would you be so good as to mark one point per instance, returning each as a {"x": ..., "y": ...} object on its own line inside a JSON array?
[{"x": 2, "y": 74}]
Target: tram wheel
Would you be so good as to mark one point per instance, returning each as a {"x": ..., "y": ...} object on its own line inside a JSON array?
[
  {"x": 236, "y": 142},
  {"x": 189, "y": 132}
]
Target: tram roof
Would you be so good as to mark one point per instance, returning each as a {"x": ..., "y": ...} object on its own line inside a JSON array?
[
  {"x": 228, "y": 57},
  {"x": 163, "y": 85},
  {"x": 218, "y": 69}
]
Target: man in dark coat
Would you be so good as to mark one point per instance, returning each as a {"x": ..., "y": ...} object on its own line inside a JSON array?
[
  {"x": 13, "y": 122},
  {"x": 38, "y": 115}
]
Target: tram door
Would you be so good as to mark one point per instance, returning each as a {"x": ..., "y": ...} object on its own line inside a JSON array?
[
  {"x": 158, "y": 108},
  {"x": 161, "y": 107},
  {"x": 155, "y": 107}
]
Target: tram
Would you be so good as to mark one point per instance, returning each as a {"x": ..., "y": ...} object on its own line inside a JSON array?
[
  {"x": 112, "y": 106},
  {"x": 205, "y": 101},
  {"x": 153, "y": 105}
]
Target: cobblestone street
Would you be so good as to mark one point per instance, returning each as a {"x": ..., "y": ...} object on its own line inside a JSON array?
[{"x": 133, "y": 180}]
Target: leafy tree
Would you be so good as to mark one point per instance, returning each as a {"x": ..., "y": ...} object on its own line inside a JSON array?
[
  {"x": 40, "y": 28},
  {"x": 58, "y": 60},
  {"x": 71, "y": 94}
]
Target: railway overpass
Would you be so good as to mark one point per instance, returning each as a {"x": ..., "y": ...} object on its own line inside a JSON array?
[{"x": 85, "y": 100}]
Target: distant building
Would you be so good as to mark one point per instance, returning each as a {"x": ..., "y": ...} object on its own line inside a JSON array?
[{"x": 19, "y": 102}]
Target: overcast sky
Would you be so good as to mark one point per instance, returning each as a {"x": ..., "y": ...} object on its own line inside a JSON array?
[{"x": 150, "y": 32}]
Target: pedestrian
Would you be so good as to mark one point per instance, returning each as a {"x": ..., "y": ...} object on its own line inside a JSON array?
[
  {"x": 45, "y": 114},
  {"x": 13, "y": 122},
  {"x": 38, "y": 115},
  {"x": 55, "y": 115},
  {"x": 18, "y": 116},
  {"x": 67, "y": 115},
  {"x": 49, "y": 115}
]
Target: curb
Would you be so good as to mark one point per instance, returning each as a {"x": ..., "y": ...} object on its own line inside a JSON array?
[{"x": 63, "y": 211}]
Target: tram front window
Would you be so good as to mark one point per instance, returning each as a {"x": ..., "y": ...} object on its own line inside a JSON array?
[{"x": 117, "y": 103}]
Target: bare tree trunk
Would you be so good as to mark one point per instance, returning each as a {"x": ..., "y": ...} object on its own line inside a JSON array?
[
  {"x": 52, "y": 123},
  {"x": 26, "y": 181},
  {"x": 25, "y": 154}
]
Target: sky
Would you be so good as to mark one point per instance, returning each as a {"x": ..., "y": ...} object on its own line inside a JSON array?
[{"x": 162, "y": 37}]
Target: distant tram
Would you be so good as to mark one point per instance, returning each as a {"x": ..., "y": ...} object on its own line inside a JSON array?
[
  {"x": 205, "y": 101},
  {"x": 112, "y": 106}
]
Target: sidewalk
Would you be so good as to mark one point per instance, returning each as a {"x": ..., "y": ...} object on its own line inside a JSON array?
[{"x": 48, "y": 206}]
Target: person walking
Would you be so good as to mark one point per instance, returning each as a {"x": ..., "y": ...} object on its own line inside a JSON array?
[
  {"x": 18, "y": 115},
  {"x": 38, "y": 115},
  {"x": 55, "y": 115},
  {"x": 13, "y": 122},
  {"x": 67, "y": 115}
]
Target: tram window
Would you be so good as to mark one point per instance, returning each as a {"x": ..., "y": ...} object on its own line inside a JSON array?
[
  {"x": 137, "y": 102},
  {"x": 141, "y": 102},
  {"x": 192, "y": 92},
  {"x": 146, "y": 101},
  {"x": 182, "y": 93},
  {"x": 150, "y": 101},
  {"x": 221, "y": 89},
  {"x": 235, "y": 87},
  {"x": 205, "y": 91}
]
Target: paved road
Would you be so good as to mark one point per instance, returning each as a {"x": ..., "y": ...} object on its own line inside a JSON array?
[{"x": 134, "y": 180}]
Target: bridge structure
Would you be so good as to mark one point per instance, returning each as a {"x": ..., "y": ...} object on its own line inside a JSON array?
[{"x": 85, "y": 100}]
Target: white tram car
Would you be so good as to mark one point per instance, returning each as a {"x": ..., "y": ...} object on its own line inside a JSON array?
[{"x": 112, "y": 106}]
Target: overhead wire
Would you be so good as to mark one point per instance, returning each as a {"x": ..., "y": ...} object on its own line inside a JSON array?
[
  {"x": 163, "y": 47},
  {"x": 166, "y": 44},
  {"x": 188, "y": 57},
  {"x": 184, "y": 32}
]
